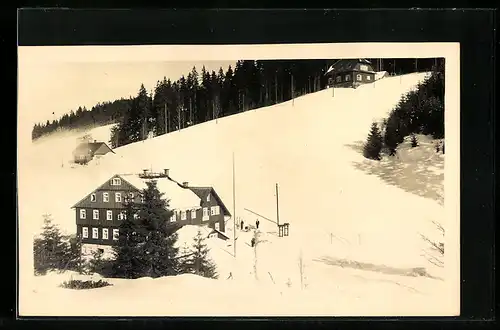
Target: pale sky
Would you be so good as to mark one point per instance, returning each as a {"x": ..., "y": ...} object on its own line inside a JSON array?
[{"x": 60, "y": 87}]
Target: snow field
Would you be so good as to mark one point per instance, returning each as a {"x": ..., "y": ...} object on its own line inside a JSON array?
[{"x": 335, "y": 211}]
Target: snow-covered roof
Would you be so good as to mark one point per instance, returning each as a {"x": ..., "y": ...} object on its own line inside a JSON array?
[{"x": 180, "y": 198}]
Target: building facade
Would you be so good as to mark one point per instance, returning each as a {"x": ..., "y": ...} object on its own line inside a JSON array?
[
  {"x": 350, "y": 73},
  {"x": 100, "y": 213}
]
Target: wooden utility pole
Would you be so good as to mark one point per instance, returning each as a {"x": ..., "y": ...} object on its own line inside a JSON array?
[
  {"x": 166, "y": 119},
  {"x": 277, "y": 207},
  {"x": 234, "y": 210}
]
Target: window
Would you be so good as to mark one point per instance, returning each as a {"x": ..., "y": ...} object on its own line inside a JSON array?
[
  {"x": 142, "y": 198},
  {"x": 122, "y": 215},
  {"x": 95, "y": 232},
  {"x": 363, "y": 67},
  {"x": 347, "y": 78},
  {"x": 205, "y": 213},
  {"x": 358, "y": 77},
  {"x": 183, "y": 215},
  {"x": 85, "y": 232},
  {"x": 131, "y": 195},
  {"x": 105, "y": 197},
  {"x": 116, "y": 182},
  {"x": 116, "y": 234},
  {"x": 217, "y": 226},
  {"x": 173, "y": 217},
  {"x": 217, "y": 210},
  {"x": 83, "y": 214},
  {"x": 93, "y": 198},
  {"x": 212, "y": 210},
  {"x": 109, "y": 215},
  {"x": 118, "y": 197},
  {"x": 368, "y": 78},
  {"x": 193, "y": 214},
  {"x": 105, "y": 233},
  {"x": 339, "y": 78},
  {"x": 95, "y": 214},
  {"x": 208, "y": 198}
]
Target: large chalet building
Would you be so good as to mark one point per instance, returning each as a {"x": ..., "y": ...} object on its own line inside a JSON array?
[
  {"x": 350, "y": 73},
  {"x": 100, "y": 213}
]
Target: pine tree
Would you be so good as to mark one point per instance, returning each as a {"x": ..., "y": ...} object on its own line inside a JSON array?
[
  {"x": 51, "y": 250},
  {"x": 373, "y": 144},
  {"x": 198, "y": 262},
  {"x": 127, "y": 262},
  {"x": 414, "y": 141},
  {"x": 158, "y": 236},
  {"x": 392, "y": 134},
  {"x": 75, "y": 261}
]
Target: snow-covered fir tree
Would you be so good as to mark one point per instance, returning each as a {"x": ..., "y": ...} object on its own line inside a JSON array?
[
  {"x": 127, "y": 263},
  {"x": 414, "y": 141},
  {"x": 157, "y": 235},
  {"x": 198, "y": 261},
  {"x": 373, "y": 144},
  {"x": 51, "y": 249}
]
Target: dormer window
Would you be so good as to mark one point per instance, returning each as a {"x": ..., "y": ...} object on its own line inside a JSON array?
[
  {"x": 116, "y": 182},
  {"x": 93, "y": 198},
  {"x": 363, "y": 67},
  {"x": 208, "y": 198}
]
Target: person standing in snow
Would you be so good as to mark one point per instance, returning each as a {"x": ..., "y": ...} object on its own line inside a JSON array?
[
  {"x": 241, "y": 224},
  {"x": 257, "y": 223},
  {"x": 253, "y": 241}
]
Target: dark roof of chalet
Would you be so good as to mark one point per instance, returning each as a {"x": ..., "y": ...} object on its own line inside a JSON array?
[
  {"x": 347, "y": 64},
  {"x": 203, "y": 192},
  {"x": 92, "y": 146}
]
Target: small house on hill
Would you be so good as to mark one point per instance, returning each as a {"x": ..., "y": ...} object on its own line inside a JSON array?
[
  {"x": 86, "y": 151},
  {"x": 350, "y": 73}
]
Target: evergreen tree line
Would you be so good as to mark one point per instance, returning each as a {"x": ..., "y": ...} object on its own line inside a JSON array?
[
  {"x": 146, "y": 246},
  {"x": 101, "y": 114},
  {"x": 203, "y": 96},
  {"x": 200, "y": 96},
  {"x": 420, "y": 111}
]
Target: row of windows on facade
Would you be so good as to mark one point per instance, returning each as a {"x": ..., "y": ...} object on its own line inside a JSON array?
[
  {"x": 118, "y": 197},
  {"x": 95, "y": 233},
  {"x": 214, "y": 210},
  {"x": 348, "y": 77}
]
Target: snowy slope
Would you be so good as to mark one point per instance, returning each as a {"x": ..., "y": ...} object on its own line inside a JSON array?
[{"x": 337, "y": 213}]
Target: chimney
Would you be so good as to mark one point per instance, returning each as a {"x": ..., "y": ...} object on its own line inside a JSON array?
[
  {"x": 95, "y": 141},
  {"x": 166, "y": 171},
  {"x": 185, "y": 184}
]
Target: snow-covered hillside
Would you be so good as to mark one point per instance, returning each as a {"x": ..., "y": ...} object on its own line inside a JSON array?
[{"x": 342, "y": 219}]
